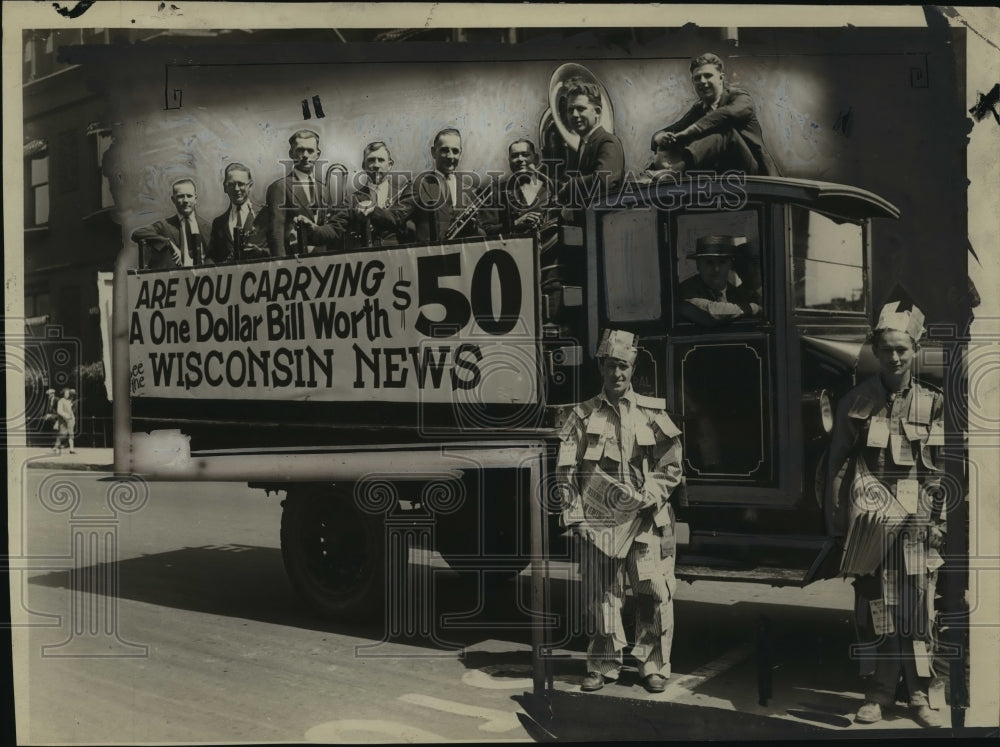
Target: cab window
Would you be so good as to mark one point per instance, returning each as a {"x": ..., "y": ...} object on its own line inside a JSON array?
[
  {"x": 631, "y": 265},
  {"x": 828, "y": 272},
  {"x": 712, "y": 289}
]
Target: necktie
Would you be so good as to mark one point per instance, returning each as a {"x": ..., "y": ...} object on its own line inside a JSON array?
[
  {"x": 452, "y": 189},
  {"x": 239, "y": 218},
  {"x": 189, "y": 237}
]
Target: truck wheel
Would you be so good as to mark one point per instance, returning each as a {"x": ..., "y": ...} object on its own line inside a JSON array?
[{"x": 334, "y": 553}]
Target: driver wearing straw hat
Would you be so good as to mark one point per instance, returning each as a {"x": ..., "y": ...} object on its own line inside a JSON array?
[
  {"x": 627, "y": 439},
  {"x": 709, "y": 298}
]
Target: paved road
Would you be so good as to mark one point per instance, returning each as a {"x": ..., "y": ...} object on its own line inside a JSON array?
[{"x": 204, "y": 640}]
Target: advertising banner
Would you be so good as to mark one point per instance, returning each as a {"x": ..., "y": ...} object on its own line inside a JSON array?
[{"x": 428, "y": 324}]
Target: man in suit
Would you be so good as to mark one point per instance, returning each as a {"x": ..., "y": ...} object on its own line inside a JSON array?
[
  {"x": 180, "y": 240},
  {"x": 429, "y": 204},
  {"x": 598, "y": 165},
  {"x": 720, "y": 132},
  {"x": 370, "y": 218},
  {"x": 709, "y": 298},
  {"x": 297, "y": 203},
  {"x": 525, "y": 197},
  {"x": 236, "y": 228}
]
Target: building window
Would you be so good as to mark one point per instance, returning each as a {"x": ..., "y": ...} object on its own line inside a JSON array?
[
  {"x": 36, "y": 199},
  {"x": 102, "y": 141}
]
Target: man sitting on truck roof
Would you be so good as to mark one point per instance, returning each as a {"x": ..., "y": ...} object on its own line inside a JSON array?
[
  {"x": 709, "y": 298},
  {"x": 721, "y": 131}
]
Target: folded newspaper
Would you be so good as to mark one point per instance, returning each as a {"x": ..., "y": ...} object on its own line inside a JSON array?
[
  {"x": 608, "y": 510},
  {"x": 875, "y": 517}
]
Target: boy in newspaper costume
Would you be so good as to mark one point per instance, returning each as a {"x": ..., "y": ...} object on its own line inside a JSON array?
[
  {"x": 895, "y": 425},
  {"x": 623, "y": 438}
]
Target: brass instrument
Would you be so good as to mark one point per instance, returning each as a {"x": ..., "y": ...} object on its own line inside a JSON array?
[
  {"x": 461, "y": 220},
  {"x": 554, "y": 123}
]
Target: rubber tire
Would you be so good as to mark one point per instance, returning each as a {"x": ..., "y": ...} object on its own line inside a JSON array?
[{"x": 334, "y": 554}]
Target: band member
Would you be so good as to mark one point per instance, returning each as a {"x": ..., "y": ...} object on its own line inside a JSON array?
[
  {"x": 525, "y": 197},
  {"x": 437, "y": 199},
  {"x": 296, "y": 202},
  {"x": 180, "y": 240},
  {"x": 709, "y": 298},
  {"x": 627, "y": 439},
  {"x": 598, "y": 165},
  {"x": 720, "y": 132},
  {"x": 235, "y": 234},
  {"x": 889, "y": 432},
  {"x": 371, "y": 222}
]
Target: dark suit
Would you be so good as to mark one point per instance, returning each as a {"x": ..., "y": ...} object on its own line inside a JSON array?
[
  {"x": 595, "y": 169},
  {"x": 424, "y": 210},
  {"x": 512, "y": 204},
  {"x": 158, "y": 236},
  {"x": 727, "y": 138},
  {"x": 286, "y": 199},
  {"x": 378, "y": 228},
  {"x": 254, "y": 236}
]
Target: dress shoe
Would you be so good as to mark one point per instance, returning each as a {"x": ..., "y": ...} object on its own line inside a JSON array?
[
  {"x": 927, "y": 717},
  {"x": 593, "y": 681},
  {"x": 869, "y": 713},
  {"x": 655, "y": 683}
]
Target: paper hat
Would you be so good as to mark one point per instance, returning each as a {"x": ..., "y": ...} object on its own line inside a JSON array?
[
  {"x": 618, "y": 344},
  {"x": 717, "y": 246},
  {"x": 894, "y": 316}
]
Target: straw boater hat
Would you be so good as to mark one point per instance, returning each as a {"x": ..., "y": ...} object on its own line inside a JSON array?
[
  {"x": 616, "y": 343},
  {"x": 717, "y": 246}
]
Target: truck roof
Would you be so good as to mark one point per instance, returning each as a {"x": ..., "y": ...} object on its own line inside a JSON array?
[{"x": 827, "y": 197}]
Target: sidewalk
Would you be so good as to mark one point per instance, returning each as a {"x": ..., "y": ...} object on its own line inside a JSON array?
[{"x": 99, "y": 460}]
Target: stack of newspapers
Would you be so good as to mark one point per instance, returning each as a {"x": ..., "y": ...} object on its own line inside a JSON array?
[
  {"x": 609, "y": 512},
  {"x": 875, "y": 517}
]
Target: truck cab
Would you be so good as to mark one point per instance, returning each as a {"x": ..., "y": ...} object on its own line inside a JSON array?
[{"x": 754, "y": 396}]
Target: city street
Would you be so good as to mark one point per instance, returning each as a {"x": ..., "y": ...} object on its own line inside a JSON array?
[{"x": 196, "y": 635}]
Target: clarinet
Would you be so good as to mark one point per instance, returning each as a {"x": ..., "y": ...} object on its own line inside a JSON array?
[{"x": 462, "y": 220}]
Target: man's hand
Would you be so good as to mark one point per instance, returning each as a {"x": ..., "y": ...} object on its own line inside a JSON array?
[
  {"x": 665, "y": 138},
  {"x": 528, "y": 220},
  {"x": 175, "y": 251}
]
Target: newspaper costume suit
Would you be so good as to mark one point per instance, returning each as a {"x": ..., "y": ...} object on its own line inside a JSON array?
[
  {"x": 636, "y": 443},
  {"x": 894, "y": 606}
]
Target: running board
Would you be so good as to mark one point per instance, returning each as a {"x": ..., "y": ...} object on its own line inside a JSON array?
[{"x": 812, "y": 566}]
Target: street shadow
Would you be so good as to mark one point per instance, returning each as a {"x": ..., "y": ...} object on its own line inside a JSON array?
[{"x": 249, "y": 582}]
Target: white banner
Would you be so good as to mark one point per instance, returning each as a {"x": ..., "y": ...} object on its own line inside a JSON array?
[
  {"x": 105, "y": 293},
  {"x": 435, "y": 324}
]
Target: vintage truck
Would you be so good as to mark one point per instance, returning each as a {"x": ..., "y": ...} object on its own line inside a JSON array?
[{"x": 410, "y": 395}]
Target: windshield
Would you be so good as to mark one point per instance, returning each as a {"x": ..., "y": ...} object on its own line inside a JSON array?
[{"x": 828, "y": 272}]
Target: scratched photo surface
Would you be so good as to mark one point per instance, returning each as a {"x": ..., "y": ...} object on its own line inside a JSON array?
[{"x": 156, "y": 608}]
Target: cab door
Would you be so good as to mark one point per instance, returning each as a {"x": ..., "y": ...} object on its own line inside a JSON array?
[{"x": 726, "y": 377}]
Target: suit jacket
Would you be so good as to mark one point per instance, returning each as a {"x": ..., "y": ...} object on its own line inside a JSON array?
[
  {"x": 424, "y": 210},
  {"x": 158, "y": 236},
  {"x": 254, "y": 235},
  {"x": 735, "y": 113},
  {"x": 512, "y": 205},
  {"x": 599, "y": 165},
  {"x": 286, "y": 200},
  {"x": 378, "y": 228}
]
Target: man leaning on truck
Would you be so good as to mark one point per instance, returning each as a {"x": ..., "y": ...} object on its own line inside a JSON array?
[{"x": 625, "y": 443}]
